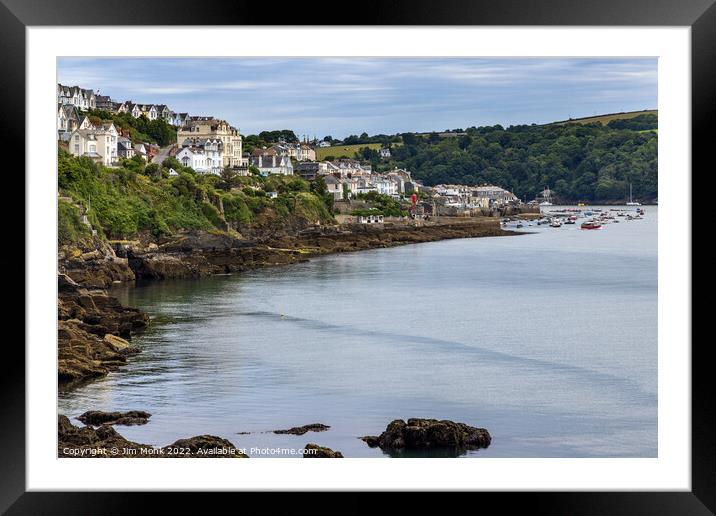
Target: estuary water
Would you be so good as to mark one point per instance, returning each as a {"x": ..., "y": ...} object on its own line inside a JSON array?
[{"x": 548, "y": 340}]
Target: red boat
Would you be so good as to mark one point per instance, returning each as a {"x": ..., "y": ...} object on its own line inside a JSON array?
[{"x": 591, "y": 225}]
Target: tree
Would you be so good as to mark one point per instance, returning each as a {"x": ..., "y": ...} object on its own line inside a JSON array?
[
  {"x": 153, "y": 170},
  {"x": 409, "y": 138},
  {"x": 228, "y": 177}
]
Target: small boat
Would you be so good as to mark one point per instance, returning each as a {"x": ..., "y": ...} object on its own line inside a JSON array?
[
  {"x": 591, "y": 224},
  {"x": 571, "y": 220},
  {"x": 555, "y": 223}
]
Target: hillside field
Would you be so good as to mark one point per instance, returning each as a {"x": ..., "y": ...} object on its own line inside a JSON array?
[
  {"x": 343, "y": 151},
  {"x": 605, "y": 119}
]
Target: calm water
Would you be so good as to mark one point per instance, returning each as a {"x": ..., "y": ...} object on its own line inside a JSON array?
[{"x": 548, "y": 340}]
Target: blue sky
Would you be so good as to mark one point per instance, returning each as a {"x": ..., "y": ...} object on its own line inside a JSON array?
[{"x": 342, "y": 96}]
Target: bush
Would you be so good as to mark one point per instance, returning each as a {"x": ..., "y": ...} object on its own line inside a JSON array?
[
  {"x": 70, "y": 228},
  {"x": 211, "y": 213}
]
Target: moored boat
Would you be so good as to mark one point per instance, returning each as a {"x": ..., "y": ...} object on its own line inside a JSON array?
[{"x": 591, "y": 224}]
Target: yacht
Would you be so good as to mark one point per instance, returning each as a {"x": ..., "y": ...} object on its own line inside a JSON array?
[
  {"x": 547, "y": 196},
  {"x": 631, "y": 200}
]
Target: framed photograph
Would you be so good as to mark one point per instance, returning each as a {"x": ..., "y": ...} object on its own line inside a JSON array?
[{"x": 429, "y": 244}]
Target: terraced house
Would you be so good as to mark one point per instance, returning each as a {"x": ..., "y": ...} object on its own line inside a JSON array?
[
  {"x": 68, "y": 119},
  {"x": 76, "y": 96},
  {"x": 272, "y": 161}
]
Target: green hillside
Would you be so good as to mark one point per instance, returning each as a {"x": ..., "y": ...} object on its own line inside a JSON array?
[
  {"x": 124, "y": 202},
  {"x": 344, "y": 151}
]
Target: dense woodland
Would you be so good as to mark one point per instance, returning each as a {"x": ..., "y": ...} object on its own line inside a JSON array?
[{"x": 577, "y": 162}]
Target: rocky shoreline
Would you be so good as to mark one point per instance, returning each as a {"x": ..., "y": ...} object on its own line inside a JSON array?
[
  {"x": 95, "y": 330},
  {"x": 106, "y": 442}
]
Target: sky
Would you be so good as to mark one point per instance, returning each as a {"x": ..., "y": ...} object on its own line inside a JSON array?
[{"x": 351, "y": 95}]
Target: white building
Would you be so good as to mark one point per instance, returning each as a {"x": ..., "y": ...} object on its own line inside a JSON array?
[
  {"x": 370, "y": 219},
  {"x": 148, "y": 110},
  {"x": 96, "y": 143},
  {"x": 205, "y": 162},
  {"x": 78, "y": 97},
  {"x": 68, "y": 119},
  {"x": 385, "y": 185},
  {"x": 269, "y": 161},
  {"x": 213, "y": 149}
]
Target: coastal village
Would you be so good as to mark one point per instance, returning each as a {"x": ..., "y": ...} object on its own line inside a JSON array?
[
  {"x": 189, "y": 196},
  {"x": 209, "y": 145}
]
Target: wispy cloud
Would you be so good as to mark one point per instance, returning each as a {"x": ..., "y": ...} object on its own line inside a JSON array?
[{"x": 347, "y": 95}]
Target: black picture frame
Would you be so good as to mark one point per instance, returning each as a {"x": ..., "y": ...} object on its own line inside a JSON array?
[{"x": 700, "y": 15}]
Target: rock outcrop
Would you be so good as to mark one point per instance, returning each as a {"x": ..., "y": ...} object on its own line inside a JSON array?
[
  {"x": 300, "y": 430},
  {"x": 314, "y": 451},
  {"x": 74, "y": 441},
  {"x": 429, "y": 433},
  {"x": 93, "y": 328},
  {"x": 94, "y": 267},
  {"x": 208, "y": 446},
  {"x": 194, "y": 254},
  {"x": 106, "y": 442},
  {"x": 98, "y": 418}
]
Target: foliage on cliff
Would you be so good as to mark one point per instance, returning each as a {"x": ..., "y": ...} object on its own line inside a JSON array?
[{"x": 123, "y": 202}]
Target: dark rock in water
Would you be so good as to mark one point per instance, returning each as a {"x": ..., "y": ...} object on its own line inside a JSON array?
[
  {"x": 97, "y": 418},
  {"x": 106, "y": 442},
  {"x": 313, "y": 451},
  {"x": 300, "y": 430},
  {"x": 429, "y": 433},
  {"x": 208, "y": 446},
  {"x": 74, "y": 441}
]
